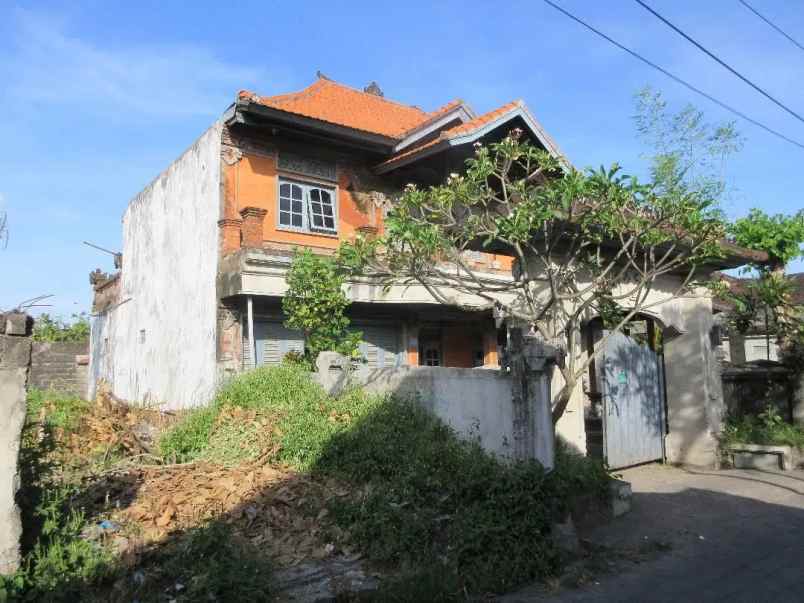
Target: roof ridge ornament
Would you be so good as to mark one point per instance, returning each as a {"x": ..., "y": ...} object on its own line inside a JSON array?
[{"x": 373, "y": 88}]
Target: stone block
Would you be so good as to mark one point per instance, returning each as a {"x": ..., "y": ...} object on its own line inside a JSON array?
[
  {"x": 332, "y": 372},
  {"x": 15, "y": 352},
  {"x": 763, "y": 457},
  {"x": 751, "y": 460},
  {"x": 620, "y": 494},
  {"x": 16, "y": 323}
]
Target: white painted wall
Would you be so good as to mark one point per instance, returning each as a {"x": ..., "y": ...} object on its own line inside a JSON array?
[
  {"x": 476, "y": 403},
  {"x": 162, "y": 333}
]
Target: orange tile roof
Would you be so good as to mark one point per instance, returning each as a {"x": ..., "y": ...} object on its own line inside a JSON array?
[
  {"x": 481, "y": 120},
  {"x": 336, "y": 103},
  {"x": 455, "y": 131}
]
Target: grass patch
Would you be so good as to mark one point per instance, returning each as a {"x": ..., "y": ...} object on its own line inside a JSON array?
[
  {"x": 56, "y": 410},
  {"x": 301, "y": 416},
  {"x": 768, "y": 428}
]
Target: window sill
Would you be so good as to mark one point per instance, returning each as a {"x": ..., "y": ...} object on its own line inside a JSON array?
[{"x": 312, "y": 233}]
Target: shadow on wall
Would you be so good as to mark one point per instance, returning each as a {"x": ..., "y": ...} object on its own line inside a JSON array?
[{"x": 476, "y": 403}]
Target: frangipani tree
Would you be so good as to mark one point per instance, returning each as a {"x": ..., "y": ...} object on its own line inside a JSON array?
[{"x": 585, "y": 244}]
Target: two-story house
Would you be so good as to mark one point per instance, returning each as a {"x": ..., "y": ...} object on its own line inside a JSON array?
[{"x": 207, "y": 243}]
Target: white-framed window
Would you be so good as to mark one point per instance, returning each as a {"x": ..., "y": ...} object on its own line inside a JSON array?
[{"x": 307, "y": 207}]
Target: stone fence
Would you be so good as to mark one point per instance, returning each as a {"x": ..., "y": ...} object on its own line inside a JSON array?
[
  {"x": 15, "y": 358},
  {"x": 60, "y": 365}
]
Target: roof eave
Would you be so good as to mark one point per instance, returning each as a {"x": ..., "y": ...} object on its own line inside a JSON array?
[
  {"x": 244, "y": 110},
  {"x": 519, "y": 111},
  {"x": 461, "y": 112}
]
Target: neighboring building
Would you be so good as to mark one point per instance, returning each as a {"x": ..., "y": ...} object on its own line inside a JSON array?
[
  {"x": 207, "y": 244},
  {"x": 759, "y": 341}
]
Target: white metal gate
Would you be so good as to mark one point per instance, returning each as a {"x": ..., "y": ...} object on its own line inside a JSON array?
[{"x": 633, "y": 403}]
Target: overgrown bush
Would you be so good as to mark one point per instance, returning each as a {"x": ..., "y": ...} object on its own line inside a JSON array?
[
  {"x": 420, "y": 498},
  {"x": 767, "y": 428},
  {"x": 315, "y": 304},
  {"x": 424, "y": 498}
]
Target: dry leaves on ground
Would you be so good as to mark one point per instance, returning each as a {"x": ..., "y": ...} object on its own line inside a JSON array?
[{"x": 280, "y": 511}]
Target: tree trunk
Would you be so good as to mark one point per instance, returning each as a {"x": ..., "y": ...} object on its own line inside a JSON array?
[
  {"x": 563, "y": 400},
  {"x": 736, "y": 346}
]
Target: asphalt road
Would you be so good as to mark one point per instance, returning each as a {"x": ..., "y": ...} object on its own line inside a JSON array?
[{"x": 714, "y": 535}]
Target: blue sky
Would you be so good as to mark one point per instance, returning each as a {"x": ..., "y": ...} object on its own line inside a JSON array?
[{"x": 98, "y": 97}]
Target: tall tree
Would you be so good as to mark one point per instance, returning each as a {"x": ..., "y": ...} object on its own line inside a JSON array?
[{"x": 687, "y": 153}]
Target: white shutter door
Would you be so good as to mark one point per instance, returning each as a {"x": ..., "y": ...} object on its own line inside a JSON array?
[
  {"x": 380, "y": 346},
  {"x": 274, "y": 341},
  {"x": 277, "y": 341}
]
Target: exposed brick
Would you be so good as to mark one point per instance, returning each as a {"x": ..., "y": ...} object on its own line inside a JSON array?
[
  {"x": 253, "y": 218},
  {"x": 230, "y": 234}
]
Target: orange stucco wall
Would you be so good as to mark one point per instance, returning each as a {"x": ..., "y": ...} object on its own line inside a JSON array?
[{"x": 252, "y": 182}]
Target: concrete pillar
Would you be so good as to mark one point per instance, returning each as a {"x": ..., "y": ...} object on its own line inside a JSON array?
[
  {"x": 695, "y": 406},
  {"x": 533, "y": 433},
  {"x": 15, "y": 359},
  {"x": 736, "y": 347},
  {"x": 253, "y": 218}
]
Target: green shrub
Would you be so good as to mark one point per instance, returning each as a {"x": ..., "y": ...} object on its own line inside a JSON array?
[
  {"x": 61, "y": 565},
  {"x": 767, "y": 428},
  {"x": 428, "y": 499}
]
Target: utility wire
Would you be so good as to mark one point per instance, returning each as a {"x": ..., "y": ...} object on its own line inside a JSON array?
[
  {"x": 771, "y": 23},
  {"x": 720, "y": 61},
  {"x": 675, "y": 78}
]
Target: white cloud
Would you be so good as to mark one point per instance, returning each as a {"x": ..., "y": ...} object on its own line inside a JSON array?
[{"x": 53, "y": 67}]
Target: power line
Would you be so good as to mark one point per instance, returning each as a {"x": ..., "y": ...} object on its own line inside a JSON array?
[
  {"x": 675, "y": 78},
  {"x": 771, "y": 23},
  {"x": 721, "y": 62}
]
